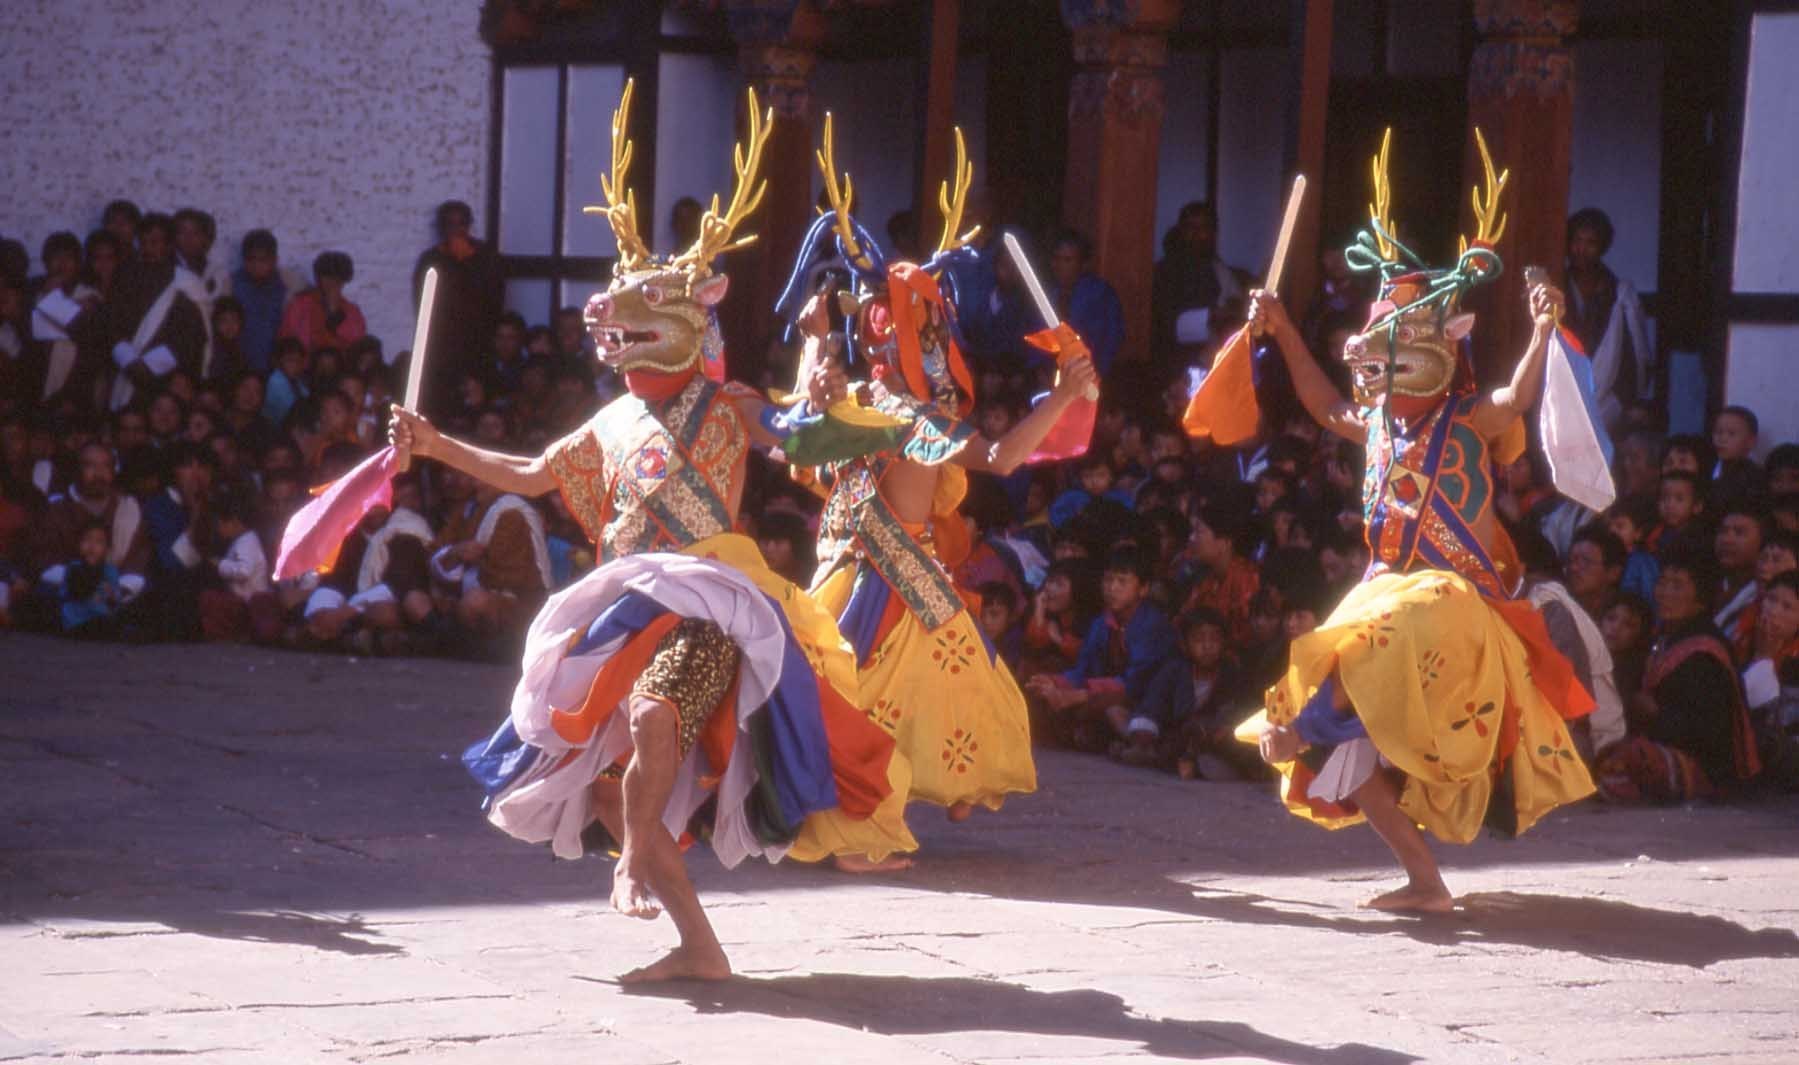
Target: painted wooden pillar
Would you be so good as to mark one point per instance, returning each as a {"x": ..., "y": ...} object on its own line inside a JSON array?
[
  {"x": 1521, "y": 96},
  {"x": 1115, "y": 107}
]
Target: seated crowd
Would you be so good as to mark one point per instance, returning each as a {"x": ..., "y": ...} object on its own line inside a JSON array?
[{"x": 161, "y": 416}]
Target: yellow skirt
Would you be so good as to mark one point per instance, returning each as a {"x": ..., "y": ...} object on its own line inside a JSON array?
[
  {"x": 1442, "y": 684},
  {"x": 957, "y": 715},
  {"x": 828, "y": 832}
]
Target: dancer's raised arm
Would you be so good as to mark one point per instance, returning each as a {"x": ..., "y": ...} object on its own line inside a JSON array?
[
  {"x": 1006, "y": 454},
  {"x": 1322, "y": 401},
  {"x": 1500, "y": 408},
  {"x": 526, "y": 476}
]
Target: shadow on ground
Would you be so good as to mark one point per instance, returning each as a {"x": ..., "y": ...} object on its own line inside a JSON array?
[{"x": 902, "y": 1005}]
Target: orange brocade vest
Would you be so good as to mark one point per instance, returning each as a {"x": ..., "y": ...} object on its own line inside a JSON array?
[
  {"x": 1427, "y": 490},
  {"x": 654, "y": 475}
]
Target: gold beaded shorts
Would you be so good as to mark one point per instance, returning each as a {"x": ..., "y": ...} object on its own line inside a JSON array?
[{"x": 692, "y": 668}]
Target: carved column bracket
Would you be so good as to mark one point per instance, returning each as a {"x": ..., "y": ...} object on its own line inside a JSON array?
[
  {"x": 1115, "y": 108},
  {"x": 1521, "y": 95}
]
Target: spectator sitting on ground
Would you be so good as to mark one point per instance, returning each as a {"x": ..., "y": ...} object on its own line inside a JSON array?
[
  {"x": 1573, "y": 627},
  {"x": 88, "y": 588},
  {"x": 94, "y": 496},
  {"x": 496, "y": 563},
  {"x": 1061, "y": 611},
  {"x": 1690, "y": 734},
  {"x": 1088, "y": 706},
  {"x": 1181, "y": 721},
  {"x": 242, "y": 567}
]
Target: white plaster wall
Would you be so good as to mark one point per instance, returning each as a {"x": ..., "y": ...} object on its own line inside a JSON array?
[
  {"x": 1181, "y": 163},
  {"x": 335, "y": 123},
  {"x": 1759, "y": 375},
  {"x": 874, "y": 105},
  {"x": 697, "y": 124},
  {"x": 1767, "y": 250},
  {"x": 1617, "y": 155},
  {"x": 1252, "y": 116}
]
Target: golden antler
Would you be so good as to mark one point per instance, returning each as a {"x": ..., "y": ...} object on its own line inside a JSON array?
[
  {"x": 840, "y": 196},
  {"x": 1379, "y": 210},
  {"x": 952, "y": 206},
  {"x": 715, "y": 229},
  {"x": 621, "y": 211},
  {"x": 1489, "y": 224}
]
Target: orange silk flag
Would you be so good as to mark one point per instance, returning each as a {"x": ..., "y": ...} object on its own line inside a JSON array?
[{"x": 1224, "y": 408}]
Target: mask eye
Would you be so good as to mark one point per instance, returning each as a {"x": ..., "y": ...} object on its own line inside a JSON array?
[
  {"x": 1407, "y": 334},
  {"x": 652, "y": 296}
]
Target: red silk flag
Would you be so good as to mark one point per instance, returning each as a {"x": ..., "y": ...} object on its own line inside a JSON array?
[
  {"x": 1224, "y": 407},
  {"x": 1068, "y": 438},
  {"x": 314, "y": 534}
]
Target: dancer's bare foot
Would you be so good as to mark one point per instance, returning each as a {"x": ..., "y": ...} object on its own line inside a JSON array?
[
  {"x": 857, "y": 863},
  {"x": 682, "y": 963},
  {"x": 959, "y": 812},
  {"x": 631, "y": 891},
  {"x": 1414, "y": 898}
]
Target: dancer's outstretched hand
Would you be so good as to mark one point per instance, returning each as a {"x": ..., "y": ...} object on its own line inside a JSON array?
[
  {"x": 410, "y": 434},
  {"x": 1280, "y": 743}
]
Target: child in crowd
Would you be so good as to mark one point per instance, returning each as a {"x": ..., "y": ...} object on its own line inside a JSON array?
[
  {"x": 1734, "y": 474},
  {"x": 1095, "y": 482},
  {"x": 1627, "y": 627},
  {"x": 243, "y": 567},
  {"x": 1632, "y": 521},
  {"x": 1087, "y": 706},
  {"x": 90, "y": 591},
  {"x": 1000, "y": 620},
  {"x": 1060, "y": 613},
  {"x": 1680, "y": 503},
  {"x": 287, "y": 383},
  {"x": 1183, "y": 720}
]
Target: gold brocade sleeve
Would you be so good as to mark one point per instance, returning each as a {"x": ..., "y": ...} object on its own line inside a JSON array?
[{"x": 579, "y": 466}]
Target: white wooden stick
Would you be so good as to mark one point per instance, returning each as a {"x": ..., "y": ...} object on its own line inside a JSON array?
[
  {"x": 1278, "y": 264},
  {"x": 415, "y": 368}
]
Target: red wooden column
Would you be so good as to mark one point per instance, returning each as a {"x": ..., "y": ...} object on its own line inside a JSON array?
[
  {"x": 777, "y": 54},
  {"x": 1115, "y": 108},
  {"x": 939, "y": 114},
  {"x": 1311, "y": 105},
  {"x": 1521, "y": 96}
]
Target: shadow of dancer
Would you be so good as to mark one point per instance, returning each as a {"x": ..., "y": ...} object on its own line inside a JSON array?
[
  {"x": 904, "y": 1005},
  {"x": 1592, "y": 927},
  {"x": 340, "y": 935}
]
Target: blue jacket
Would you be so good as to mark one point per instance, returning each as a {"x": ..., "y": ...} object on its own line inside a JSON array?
[{"x": 1148, "y": 638}]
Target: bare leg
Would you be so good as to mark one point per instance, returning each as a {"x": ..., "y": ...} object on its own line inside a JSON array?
[
  {"x": 651, "y": 862},
  {"x": 1424, "y": 891}
]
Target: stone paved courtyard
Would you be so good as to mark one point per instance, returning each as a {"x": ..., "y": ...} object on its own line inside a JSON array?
[{"x": 232, "y": 856}]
